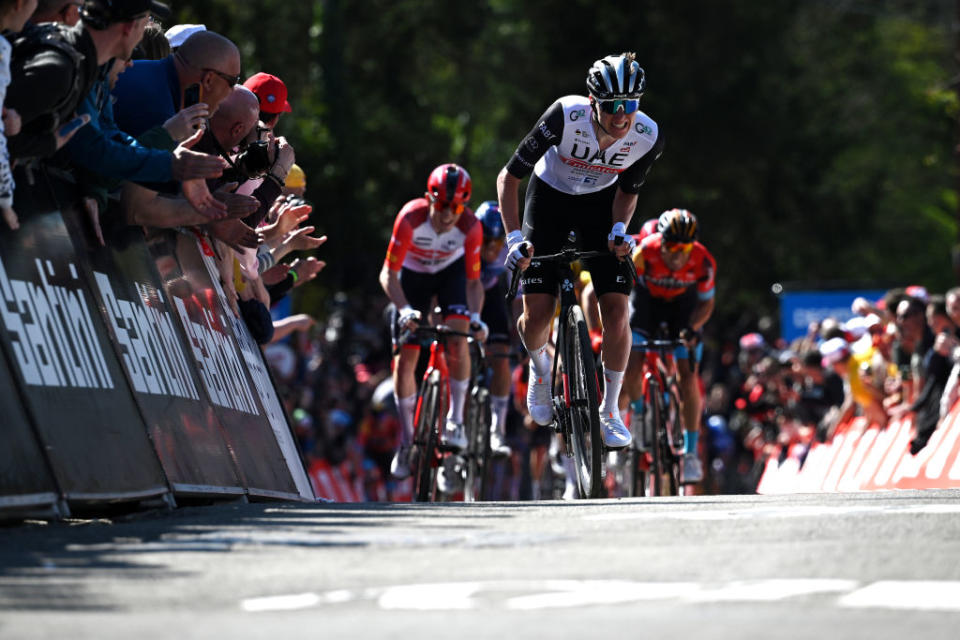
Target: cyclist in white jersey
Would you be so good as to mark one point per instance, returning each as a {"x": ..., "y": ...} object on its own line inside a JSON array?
[{"x": 589, "y": 156}]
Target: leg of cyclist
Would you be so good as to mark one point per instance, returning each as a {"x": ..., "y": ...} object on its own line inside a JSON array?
[
  {"x": 612, "y": 284},
  {"x": 499, "y": 397},
  {"x": 405, "y": 394},
  {"x": 534, "y": 326},
  {"x": 690, "y": 407},
  {"x": 641, "y": 321}
]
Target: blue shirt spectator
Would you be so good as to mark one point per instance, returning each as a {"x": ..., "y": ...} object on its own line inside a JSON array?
[
  {"x": 147, "y": 95},
  {"x": 102, "y": 148}
]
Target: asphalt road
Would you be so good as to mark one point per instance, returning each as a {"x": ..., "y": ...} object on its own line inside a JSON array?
[{"x": 870, "y": 566}]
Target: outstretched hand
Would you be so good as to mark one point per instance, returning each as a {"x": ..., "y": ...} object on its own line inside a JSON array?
[
  {"x": 238, "y": 205},
  {"x": 234, "y": 234},
  {"x": 190, "y": 165},
  {"x": 307, "y": 269}
]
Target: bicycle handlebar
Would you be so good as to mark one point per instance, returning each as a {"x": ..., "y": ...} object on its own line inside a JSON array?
[
  {"x": 438, "y": 331},
  {"x": 568, "y": 255}
]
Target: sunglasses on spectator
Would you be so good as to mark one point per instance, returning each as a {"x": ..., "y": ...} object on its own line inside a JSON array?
[
  {"x": 619, "y": 106},
  {"x": 230, "y": 80},
  {"x": 678, "y": 247}
]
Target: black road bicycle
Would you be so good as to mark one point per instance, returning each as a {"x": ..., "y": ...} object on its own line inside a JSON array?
[{"x": 575, "y": 384}]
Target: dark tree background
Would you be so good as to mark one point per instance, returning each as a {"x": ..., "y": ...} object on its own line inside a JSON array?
[{"x": 815, "y": 139}]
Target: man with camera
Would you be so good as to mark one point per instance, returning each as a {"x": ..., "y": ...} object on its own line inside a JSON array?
[{"x": 258, "y": 162}]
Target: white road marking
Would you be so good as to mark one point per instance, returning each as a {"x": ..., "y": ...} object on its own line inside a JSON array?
[
  {"x": 531, "y": 595},
  {"x": 296, "y": 601},
  {"x": 771, "y": 590},
  {"x": 923, "y": 595}
]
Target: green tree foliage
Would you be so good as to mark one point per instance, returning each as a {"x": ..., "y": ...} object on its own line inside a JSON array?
[{"x": 814, "y": 139}]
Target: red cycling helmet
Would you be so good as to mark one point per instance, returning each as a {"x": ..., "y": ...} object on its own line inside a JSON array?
[{"x": 449, "y": 184}]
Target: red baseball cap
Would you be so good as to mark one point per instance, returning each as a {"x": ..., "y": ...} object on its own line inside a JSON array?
[{"x": 271, "y": 92}]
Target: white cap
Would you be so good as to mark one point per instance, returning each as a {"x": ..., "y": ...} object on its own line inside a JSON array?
[
  {"x": 834, "y": 350},
  {"x": 178, "y": 33}
]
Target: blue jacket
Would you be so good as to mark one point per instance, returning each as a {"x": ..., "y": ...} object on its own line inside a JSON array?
[
  {"x": 148, "y": 94},
  {"x": 102, "y": 148}
]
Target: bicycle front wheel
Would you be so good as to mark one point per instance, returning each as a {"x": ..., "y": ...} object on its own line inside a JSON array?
[
  {"x": 478, "y": 452},
  {"x": 584, "y": 405},
  {"x": 425, "y": 438}
]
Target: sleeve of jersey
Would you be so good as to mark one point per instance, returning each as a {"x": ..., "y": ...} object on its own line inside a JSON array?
[
  {"x": 633, "y": 177},
  {"x": 471, "y": 251},
  {"x": 548, "y": 131},
  {"x": 399, "y": 243},
  {"x": 706, "y": 283}
]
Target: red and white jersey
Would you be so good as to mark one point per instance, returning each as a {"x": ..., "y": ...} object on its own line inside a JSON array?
[
  {"x": 415, "y": 244},
  {"x": 662, "y": 282}
]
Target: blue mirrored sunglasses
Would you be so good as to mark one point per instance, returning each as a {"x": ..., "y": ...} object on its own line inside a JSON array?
[{"x": 619, "y": 106}]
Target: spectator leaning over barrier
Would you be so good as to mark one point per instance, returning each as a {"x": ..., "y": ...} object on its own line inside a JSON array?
[
  {"x": 13, "y": 15},
  {"x": 937, "y": 363},
  {"x": 152, "y": 90},
  {"x": 101, "y": 149},
  {"x": 951, "y": 390},
  {"x": 66, "y": 12},
  {"x": 52, "y": 69},
  {"x": 230, "y": 137},
  {"x": 912, "y": 341}
]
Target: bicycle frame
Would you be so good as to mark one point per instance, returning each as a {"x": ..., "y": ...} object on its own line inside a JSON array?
[{"x": 437, "y": 362}]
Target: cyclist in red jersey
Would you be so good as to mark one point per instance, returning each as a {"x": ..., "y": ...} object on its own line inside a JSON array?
[
  {"x": 677, "y": 277},
  {"x": 434, "y": 251}
]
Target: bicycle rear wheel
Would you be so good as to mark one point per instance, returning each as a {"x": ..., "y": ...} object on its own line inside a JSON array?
[
  {"x": 675, "y": 437},
  {"x": 584, "y": 406},
  {"x": 653, "y": 414},
  {"x": 425, "y": 437}
]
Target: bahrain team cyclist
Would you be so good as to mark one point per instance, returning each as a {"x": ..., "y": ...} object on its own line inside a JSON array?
[
  {"x": 677, "y": 276},
  {"x": 434, "y": 251},
  {"x": 589, "y": 156}
]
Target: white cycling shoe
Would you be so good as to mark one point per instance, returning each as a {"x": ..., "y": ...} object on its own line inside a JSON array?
[
  {"x": 539, "y": 399},
  {"x": 498, "y": 443},
  {"x": 615, "y": 433},
  {"x": 692, "y": 471},
  {"x": 453, "y": 437},
  {"x": 400, "y": 465}
]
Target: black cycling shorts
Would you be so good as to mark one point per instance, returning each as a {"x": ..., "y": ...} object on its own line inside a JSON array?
[
  {"x": 549, "y": 216},
  {"x": 647, "y": 312},
  {"x": 496, "y": 314},
  {"x": 449, "y": 286}
]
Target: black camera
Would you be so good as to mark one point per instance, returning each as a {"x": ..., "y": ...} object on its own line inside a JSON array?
[{"x": 254, "y": 160}]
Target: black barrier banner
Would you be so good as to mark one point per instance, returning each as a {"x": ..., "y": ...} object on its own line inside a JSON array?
[
  {"x": 68, "y": 374},
  {"x": 192, "y": 293},
  {"x": 183, "y": 426},
  {"x": 256, "y": 367},
  {"x": 24, "y": 475}
]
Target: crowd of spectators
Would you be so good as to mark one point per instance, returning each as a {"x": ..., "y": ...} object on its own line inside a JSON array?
[
  {"x": 156, "y": 128},
  {"x": 893, "y": 357}
]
